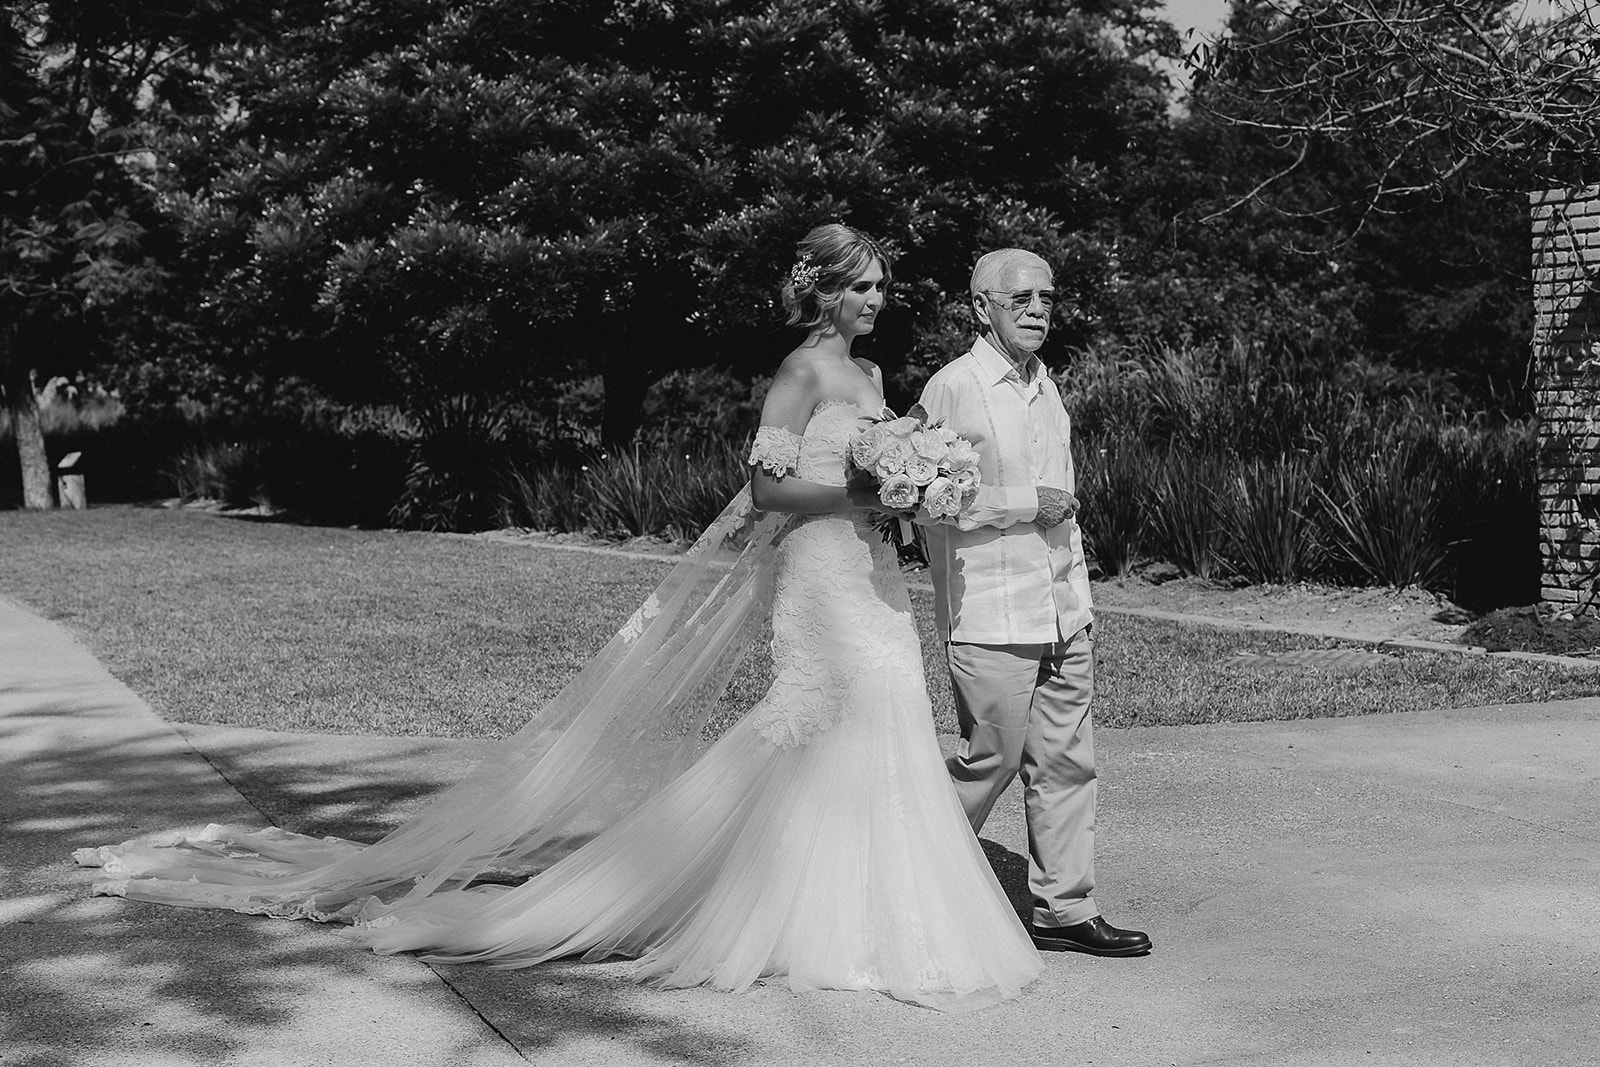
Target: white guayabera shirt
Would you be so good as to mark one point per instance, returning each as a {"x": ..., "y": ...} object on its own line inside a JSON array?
[{"x": 999, "y": 577}]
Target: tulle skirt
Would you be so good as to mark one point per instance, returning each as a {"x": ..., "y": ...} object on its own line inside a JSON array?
[
  {"x": 818, "y": 843},
  {"x": 844, "y": 863}
]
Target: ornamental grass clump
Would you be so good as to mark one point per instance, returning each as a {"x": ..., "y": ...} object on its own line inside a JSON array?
[
  {"x": 1186, "y": 513},
  {"x": 1270, "y": 514},
  {"x": 627, "y": 491},
  {"x": 546, "y": 496},
  {"x": 229, "y": 472},
  {"x": 1381, "y": 517},
  {"x": 1114, "y": 488},
  {"x": 702, "y": 478}
]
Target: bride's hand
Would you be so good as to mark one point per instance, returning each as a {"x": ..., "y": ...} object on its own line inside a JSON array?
[{"x": 864, "y": 497}]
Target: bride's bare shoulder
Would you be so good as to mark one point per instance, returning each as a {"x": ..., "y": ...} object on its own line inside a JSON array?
[
  {"x": 800, "y": 368},
  {"x": 793, "y": 393}
]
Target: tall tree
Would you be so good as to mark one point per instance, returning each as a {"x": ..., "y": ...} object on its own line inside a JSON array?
[
  {"x": 64, "y": 233},
  {"x": 435, "y": 198},
  {"x": 82, "y": 82}
]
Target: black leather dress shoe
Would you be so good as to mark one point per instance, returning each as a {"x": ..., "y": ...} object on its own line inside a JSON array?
[{"x": 1094, "y": 936}]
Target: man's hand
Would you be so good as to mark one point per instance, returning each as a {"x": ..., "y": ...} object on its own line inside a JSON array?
[{"x": 1055, "y": 506}]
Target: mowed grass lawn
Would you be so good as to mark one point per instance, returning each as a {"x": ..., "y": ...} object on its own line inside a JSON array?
[{"x": 224, "y": 620}]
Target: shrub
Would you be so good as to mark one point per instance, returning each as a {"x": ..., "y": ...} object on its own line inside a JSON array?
[
  {"x": 703, "y": 404},
  {"x": 701, "y": 481},
  {"x": 1232, "y": 413},
  {"x": 1381, "y": 516},
  {"x": 1240, "y": 400},
  {"x": 628, "y": 493},
  {"x": 1238, "y": 458},
  {"x": 546, "y": 496},
  {"x": 457, "y": 468},
  {"x": 229, "y": 472},
  {"x": 317, "y": 476},
  {"x": 1186, "y": 517},
  {"x": 663, "y": 488},
  {"x": 1271, "y": 524},
  {"x": 1113, "y": 488}
]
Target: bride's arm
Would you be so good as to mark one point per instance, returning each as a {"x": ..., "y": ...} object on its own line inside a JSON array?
[{"x": 774, "y": 485}]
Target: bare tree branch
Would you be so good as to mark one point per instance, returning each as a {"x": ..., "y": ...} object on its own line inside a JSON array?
[
  {"x": 1253, "y": 193},
  {"x": 1441, "y": 89}
]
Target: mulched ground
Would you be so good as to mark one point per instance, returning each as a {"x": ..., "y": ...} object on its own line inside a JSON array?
[{"x": 1527, "y": 629}]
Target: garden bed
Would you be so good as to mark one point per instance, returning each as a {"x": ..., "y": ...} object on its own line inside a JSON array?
[{"x": 1530, "y": 629}]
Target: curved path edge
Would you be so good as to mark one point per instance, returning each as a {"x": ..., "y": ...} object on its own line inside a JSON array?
[
  {"x": 94, "y": 980},
  {"x": 1414, "y": 888},
  {"x": 1187, "y": 618}
]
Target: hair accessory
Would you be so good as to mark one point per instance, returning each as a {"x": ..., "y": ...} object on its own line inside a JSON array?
[{"x": 803, "y": 274}]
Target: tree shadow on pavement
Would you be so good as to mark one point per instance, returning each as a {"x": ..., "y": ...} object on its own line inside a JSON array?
[{"x": 86, "y": 980}]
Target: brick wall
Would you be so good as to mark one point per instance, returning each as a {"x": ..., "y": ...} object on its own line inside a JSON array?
[{"x": 1566, "y": 354}]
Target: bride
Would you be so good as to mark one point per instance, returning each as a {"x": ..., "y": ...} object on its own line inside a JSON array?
[{"x": 816, "y": 842}]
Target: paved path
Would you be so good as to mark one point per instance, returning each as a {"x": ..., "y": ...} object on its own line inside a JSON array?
[{"x": 1412, "y": 889}]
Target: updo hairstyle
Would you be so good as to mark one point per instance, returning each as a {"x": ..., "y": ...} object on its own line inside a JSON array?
[{"x": 827, "y": 260}]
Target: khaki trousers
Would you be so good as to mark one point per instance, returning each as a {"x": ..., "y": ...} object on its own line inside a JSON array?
[{"x": 1025, "y": 709}]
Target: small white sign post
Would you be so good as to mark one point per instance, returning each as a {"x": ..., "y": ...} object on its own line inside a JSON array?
[{"x": 69, "y": 482}]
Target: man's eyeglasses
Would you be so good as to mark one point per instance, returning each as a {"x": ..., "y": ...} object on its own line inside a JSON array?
[{"x": 1022, "y": 299}]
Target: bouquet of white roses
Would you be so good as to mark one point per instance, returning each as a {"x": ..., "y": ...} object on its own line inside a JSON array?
[{"x": 915, "y": 464}]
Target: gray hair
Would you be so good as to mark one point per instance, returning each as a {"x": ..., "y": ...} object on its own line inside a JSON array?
[{"x": 991, "y": 266}]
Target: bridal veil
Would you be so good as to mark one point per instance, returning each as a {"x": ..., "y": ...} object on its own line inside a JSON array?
[{"x": 631, "y": 720}]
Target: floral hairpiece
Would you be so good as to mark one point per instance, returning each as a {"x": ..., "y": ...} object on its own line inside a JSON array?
[{"x": 803, "y": 274}]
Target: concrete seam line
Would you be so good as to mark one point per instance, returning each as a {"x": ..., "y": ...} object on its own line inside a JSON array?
[
  {"x": 1156, "y": 613},
  {"x": 1564, "y": 831},
  {"x": 473, "y": 1008},
  {"x": 220, "y": 773}
]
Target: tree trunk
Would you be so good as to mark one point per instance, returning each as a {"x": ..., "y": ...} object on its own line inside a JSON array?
[{"x": 23, "y": 405}]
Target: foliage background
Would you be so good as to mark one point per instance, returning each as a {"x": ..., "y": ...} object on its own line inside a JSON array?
[{"x": 452, "y": 263}]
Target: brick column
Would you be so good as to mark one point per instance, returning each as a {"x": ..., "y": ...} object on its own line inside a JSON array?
[{"x": 1566, "y": 359}]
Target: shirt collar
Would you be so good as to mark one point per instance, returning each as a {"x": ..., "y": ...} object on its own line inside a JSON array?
[{"x": 995, "y": 364}]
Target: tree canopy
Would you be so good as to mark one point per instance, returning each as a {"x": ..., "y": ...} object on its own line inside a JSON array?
[
  {"x": 457, "y": 206},
  {"x": 77, "y": 83},
  {"x": 444, "y": 197}
]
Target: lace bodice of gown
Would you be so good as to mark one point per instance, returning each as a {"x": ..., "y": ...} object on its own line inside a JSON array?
[
  {"x": 841, "y": 610},
  {"x": 827, "y": 440}
]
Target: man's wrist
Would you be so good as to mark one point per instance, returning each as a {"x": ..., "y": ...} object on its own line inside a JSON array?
[{"x": 1037, "y": 504}]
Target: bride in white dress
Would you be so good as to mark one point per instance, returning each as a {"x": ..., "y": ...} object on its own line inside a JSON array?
[{"x": 817, "y": 842}]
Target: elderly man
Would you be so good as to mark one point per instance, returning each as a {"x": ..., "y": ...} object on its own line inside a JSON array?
[{"x": 1012, "y": 601}]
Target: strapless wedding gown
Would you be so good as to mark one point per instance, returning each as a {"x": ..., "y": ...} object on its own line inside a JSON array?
[{"x": 818, "y": 843}]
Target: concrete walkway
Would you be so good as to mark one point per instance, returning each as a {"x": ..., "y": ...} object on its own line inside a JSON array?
[{"x": 1414, "y": 889}]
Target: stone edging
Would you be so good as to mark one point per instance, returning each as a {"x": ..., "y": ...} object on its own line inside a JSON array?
[
  {"x": 1306, "y": 630},
  {"x": 1415, "y": 644}
]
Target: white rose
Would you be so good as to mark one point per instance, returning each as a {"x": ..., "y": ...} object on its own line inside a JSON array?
[
  {"x": 960, "y": 456},
  {"x": 942, "y": 499},
  {"x": 921, "y": 470},
  {"x": 929, "y": 447},
  {"x": 892, "y": 460},
  {"x": 867, "y": 446},
  {"x": 898, "y": 492}
]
